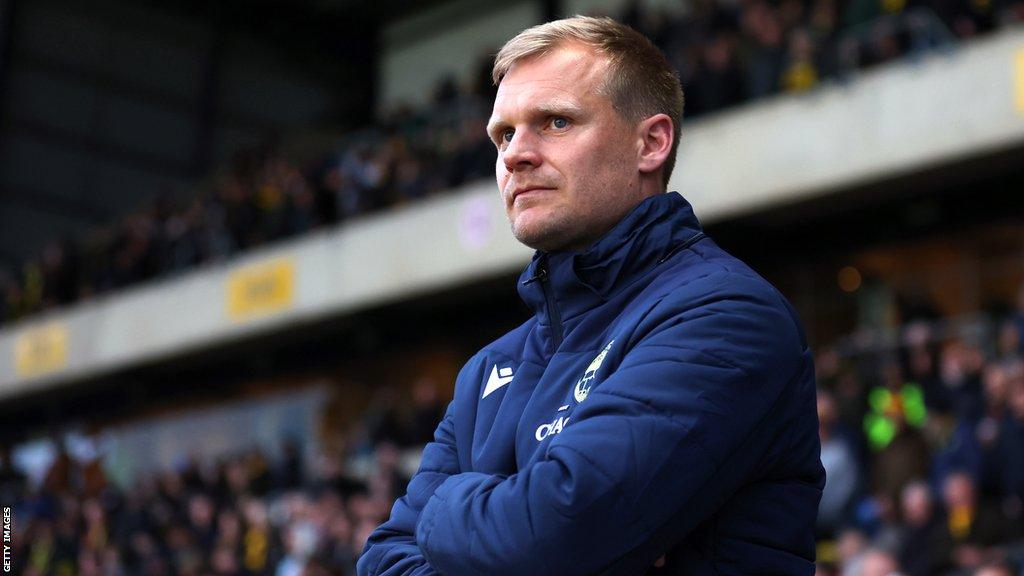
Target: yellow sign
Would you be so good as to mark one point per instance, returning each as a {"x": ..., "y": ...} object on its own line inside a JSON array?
[
  {"x": 261, "y": 288},
  {"x": 41, "y": 350},
  {"x": 1018, "y": 81}
]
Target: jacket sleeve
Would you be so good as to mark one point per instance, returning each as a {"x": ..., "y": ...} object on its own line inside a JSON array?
[
  {"x": 391, "y": 549},
  {"x": 670, "y": 430}
]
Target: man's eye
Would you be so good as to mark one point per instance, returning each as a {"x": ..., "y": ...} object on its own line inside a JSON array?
[
  {"x": 559, "y": 122},
  {"x": 506, "y": 135}
]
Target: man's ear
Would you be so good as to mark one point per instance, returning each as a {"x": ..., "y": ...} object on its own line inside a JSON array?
[{"x": 656, "y": 138}]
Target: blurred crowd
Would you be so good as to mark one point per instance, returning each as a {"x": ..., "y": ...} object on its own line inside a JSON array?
[
  {"x": 244, "y": 514},
  {"x": 261, "y": 197},
  {"x": 923, "y": 446},
  {"x": 234, "y": 516},
  {"x": 727, "y": 52},
  {"x": 731, "y": 52},
  {"x": 922, "y": 441}
]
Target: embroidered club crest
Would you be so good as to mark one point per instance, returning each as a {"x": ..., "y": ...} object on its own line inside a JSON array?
[{"x": 585, "y": 383}]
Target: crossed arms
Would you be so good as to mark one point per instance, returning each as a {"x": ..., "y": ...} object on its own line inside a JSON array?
[{"x": 668, "y": 431}]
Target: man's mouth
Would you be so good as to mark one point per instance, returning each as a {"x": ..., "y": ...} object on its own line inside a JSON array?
[{"x": 527, "y": 190}]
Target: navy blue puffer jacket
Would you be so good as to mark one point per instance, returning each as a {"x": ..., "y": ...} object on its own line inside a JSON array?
[{"x": 660, "y": 402}]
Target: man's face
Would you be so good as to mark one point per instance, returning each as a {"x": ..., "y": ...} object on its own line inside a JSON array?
[{"x": 567, "y": 162}]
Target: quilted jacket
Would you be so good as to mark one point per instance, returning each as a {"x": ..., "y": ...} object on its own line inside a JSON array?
[{"x": 661, "y": 401}]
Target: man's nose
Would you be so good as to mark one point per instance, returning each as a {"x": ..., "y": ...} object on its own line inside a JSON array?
[{"x": 521, "y": 152}]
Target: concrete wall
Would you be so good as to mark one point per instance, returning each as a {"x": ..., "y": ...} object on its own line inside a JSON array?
[{"x": 447, "y": 40}]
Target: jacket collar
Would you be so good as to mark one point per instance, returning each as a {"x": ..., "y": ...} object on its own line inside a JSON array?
[{"x": 655, "y": 229}]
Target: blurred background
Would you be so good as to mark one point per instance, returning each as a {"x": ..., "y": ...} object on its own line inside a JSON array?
[{"x": 245, "y": 247}]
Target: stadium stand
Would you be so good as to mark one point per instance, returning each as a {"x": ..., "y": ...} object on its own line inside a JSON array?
[
  {"x": 922, "y": 417},
  {"x": 725, "y": 54},
  {"x": 921, "y": 441}
]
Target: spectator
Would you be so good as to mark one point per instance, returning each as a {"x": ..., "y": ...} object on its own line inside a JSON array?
[
  {"x": 959, "y": 371},
  {"x": 995, "y": 569},
  {"x": 718, "y": 82},
  {"x": 972, "y": 525},
  {"x": 1010, "y": 446},
  {"x": 763, "y": 38},
  {"x": 920, "y": 366},
  {"x": 878, "y": 562},
  {"x": 851, "y": 546},
  {"x": 1008, "y": 341},
  {"x": 1018, "y": 318},
  {"x": 290, "y": 473},
  {"x": 842, "y": 471},
  {"x": 800, "y": 71},
  {"x": 893, "y": 428},
  {"x": 428, "y": 410},
  {"x": 922, "y": 546}
]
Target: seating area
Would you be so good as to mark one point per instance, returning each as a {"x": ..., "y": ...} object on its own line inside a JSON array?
[{"x": 726, "y": 55}]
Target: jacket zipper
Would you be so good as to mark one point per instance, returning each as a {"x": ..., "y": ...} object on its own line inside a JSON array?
[{"x": 549, "y": 297}]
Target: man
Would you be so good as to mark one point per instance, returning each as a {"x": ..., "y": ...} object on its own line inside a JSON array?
[
  {"x": 878, "y": 562},
  {"x": 658, "y": 411}
]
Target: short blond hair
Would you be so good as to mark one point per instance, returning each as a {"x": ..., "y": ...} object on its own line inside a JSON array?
[{"x": 640, "y": 82}]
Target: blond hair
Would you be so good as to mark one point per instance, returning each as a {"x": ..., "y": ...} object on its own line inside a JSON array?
[{"x": 640, "y": 81}]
